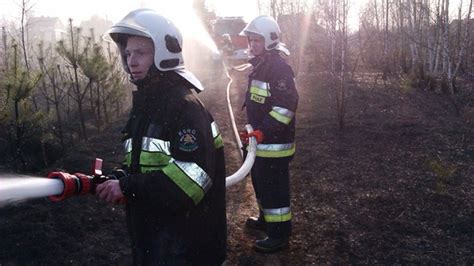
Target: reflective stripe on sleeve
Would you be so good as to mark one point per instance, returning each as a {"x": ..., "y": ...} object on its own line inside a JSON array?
[
  {"x": 275, "y": 150},
  {"x": 277, "y": 215},
  {"x": 155, "y": 159},
  {"x": 155, "y": 154},
  {"x": 218, "y": 142},
  {"x": 127, "y": 145},
  {"x": 196, "y": 173},
  {"x": 260, "y": 88},
  {"x": 156, "y": 145},
  {"x": 128, "y": 159},
  {"x": 215, "y": 129},
  {"x": 282, "y": 115},
  {"x": 190, "y": 178}
]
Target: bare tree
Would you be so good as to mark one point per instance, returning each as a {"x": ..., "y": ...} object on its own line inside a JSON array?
[
  {"x": 446, "y": 56},
  {"x": 336, "y": 14},
  {"x": 95, "y": 67},
  {"x": 385, "y": 41},
  {"x": 5, "y": 47},
  {"x": 25, "y": 10},
  {"x": 72, "y": 56},
  {"x": 463, "y": 43},
  {"x": 57, "y": 94}
]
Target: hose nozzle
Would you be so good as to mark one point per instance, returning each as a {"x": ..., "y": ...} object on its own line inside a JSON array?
[{"x": 74, "y": 184}]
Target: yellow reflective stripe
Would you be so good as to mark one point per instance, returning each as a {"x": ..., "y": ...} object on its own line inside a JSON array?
[
  {"x": 277, "y": 215},
  {"x": 154, "y": 155},
  {"x": 196, "y": 173},
  {"x": 260, "y": 84},
  {"x": 128, "y": 159},
  {"x": 282, "y": 114},
  {"x": 127, "y": 145},
  {"x": 218, "y": 142},
  {"x": 280, "y": 118},
  {"x": 275, "y": 150},
  {"x": 260, "y": 92},
  {"x": 186, "y": 183},
  {"x": 154, "y": 158},
  {"x": 260, "y": 88},
  {"x": 148, "y": 169},
  {"x": 156, "y": 145}
]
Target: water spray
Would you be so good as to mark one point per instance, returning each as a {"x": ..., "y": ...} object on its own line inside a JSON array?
[{"x": 15, "y": 189}]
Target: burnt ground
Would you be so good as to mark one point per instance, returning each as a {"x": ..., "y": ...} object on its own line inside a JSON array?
[{"x": 394, "y": 187}]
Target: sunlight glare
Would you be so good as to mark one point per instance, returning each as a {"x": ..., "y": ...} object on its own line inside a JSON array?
[{"x": 182, "y": 13}]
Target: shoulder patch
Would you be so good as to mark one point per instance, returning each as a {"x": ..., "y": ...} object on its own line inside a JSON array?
[
  {"x": 281, "y": 85},
  {"x": 188, "y": 140}
]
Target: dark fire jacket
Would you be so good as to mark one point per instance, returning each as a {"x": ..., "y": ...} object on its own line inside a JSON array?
[{"x": 271, "y": 101}]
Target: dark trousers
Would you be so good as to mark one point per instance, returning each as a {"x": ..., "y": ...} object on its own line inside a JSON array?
[{"x": 270, "y": 179}]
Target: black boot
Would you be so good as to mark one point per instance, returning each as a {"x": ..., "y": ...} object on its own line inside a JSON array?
[
  {"x": 271, "y": 244},
  {"x": 255, "y": 223}
]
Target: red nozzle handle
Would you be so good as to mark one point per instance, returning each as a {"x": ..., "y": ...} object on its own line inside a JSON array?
[
  {"x": 76, "y": 184},
  {"x": 97, "y": 167}
]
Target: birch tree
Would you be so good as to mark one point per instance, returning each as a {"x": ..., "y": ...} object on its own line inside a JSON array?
[{"x": 464, "y": 42}]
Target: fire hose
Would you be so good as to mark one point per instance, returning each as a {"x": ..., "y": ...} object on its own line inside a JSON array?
[
  {"x": 252, "y": 147},
  {"x": 81, "y": 184}
]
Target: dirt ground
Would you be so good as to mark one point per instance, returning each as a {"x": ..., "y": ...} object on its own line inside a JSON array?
[{"x": 394, "y": 187}]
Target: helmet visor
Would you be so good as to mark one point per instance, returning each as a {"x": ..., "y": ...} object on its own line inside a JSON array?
[{"x": 115, "y": 32}]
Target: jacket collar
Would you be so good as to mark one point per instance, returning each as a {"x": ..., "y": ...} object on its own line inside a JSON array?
[
  {"x": 154, "y": 89},
  {"x": 258, "y": 60}
]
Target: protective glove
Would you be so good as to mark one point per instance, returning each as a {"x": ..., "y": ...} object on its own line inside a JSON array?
[
  {"x": 117, "y": 174},
  {"x": 244, "y": 136}
]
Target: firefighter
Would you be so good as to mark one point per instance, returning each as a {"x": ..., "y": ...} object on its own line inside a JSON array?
[
  {"x": 227, "y": 45},
  {"x": 173, "y": 177},
  {"x": 271, "y": 101}
]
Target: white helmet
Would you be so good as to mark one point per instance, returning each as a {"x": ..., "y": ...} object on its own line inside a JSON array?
[
  {"x": 268, "y": 28},
  {"x": 166, "y": 38}
]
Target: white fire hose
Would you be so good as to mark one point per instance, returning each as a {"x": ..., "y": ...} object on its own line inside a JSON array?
[
  {"x": 252, "y": 148},
  {"x": 248, "y": 163}
]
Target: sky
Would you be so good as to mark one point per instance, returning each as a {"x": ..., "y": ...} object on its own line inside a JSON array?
[{"x": 114, "y": 10}]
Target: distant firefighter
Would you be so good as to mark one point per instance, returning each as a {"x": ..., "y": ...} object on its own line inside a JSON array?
[
  {"x": 227, "y": 47},
  {"x": 271, "y": 102}
]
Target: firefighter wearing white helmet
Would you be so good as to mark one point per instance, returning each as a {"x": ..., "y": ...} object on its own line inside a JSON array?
[
  {"x": 166, "y": 38},
  {"x": 173, "y": 175},
  {"x": 268, "y": 28},
  {"x": 271, "y": 102}
]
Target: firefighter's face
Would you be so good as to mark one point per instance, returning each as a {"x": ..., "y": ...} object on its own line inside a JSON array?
[
  {"x": 140, "y": 52},
  {"x": 256, "y": 44}
]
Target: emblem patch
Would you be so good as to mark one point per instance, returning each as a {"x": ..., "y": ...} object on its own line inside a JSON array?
[
  {"x": 188, "y": 140},
  {"x": 281, "y": 85}
]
